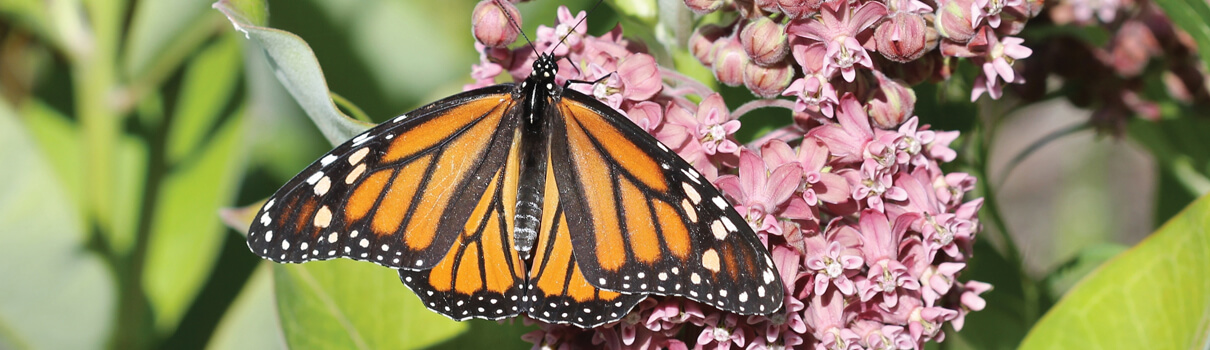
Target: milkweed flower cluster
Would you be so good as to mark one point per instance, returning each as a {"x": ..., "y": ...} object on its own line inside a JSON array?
[
  {"x": 1111, "y": 77},
  {"x": 867, "y": 231}
]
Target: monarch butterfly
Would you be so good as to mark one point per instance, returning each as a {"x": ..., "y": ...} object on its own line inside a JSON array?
[{"x": 522, "y": 198}]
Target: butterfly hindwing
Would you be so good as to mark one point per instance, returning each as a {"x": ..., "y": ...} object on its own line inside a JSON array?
[
  {"x": 558, "y": 291},
  {"x": 396, "y": 195},
  {"x": 642, "y": 220}
]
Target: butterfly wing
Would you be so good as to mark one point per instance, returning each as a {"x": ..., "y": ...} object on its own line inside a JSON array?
[
  {"x": 397, "y": 195},
  {"x": 558, "y": 292},
  {"x": 642, "y": 220},
  {"x": 481, "y": 274}
]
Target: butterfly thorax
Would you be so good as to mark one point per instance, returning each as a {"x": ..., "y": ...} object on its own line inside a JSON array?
[{"x": 536, "y": 92}]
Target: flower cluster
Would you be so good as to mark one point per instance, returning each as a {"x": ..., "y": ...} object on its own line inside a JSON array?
[
  {"x": 868, "y": 233},
  {"x": 841, "y": 46},
  {"x": 1111, "y": 77}
]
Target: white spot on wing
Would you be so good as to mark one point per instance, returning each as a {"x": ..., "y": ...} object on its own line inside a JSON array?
[
  {"x": 315, "y": 177},
  {"x": 328, "y": 159}
]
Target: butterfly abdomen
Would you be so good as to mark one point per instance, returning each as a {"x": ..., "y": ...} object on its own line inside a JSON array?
[{"x": 532, "y": 184}]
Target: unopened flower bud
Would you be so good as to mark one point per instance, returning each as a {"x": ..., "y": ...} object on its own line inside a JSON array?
[
  {"x": 701, "y": 43},
  {"x": 764, "y": 41},
  {"x": 799, "y": 8},
  {"x": 891, "y": 104},
  {"x": 490, "y": 24},
  {"x": 904, "y": 37},
  {"x": 768, "y": 81},
  {"x": 769, "y": 6},
  {"x": 954, "y": 20},
  {"x": 702, "y": 7},
  {"x": 729, "y": 61}
]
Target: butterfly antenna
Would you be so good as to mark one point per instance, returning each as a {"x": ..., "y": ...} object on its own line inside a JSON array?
[
  {"x": 518, "y": 26},
  {"x": 573, "y": 28}
]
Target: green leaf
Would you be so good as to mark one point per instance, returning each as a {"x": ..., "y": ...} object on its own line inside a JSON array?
[
  {"x": 162, "y": 33},
  {"x": 345, "y": 304},
  {"x": 56, "y": 294},
  {"x": 1154, "y": 296},
  {"x": 250, "y": 322},
  {"x": 209, "y": 83},
  {"x": 186, "y": 235},
  {"x": 1193, "y": 16},
  {"x": 298, "y": 70}
]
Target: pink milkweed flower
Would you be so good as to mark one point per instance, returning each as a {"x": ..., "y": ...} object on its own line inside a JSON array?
[
  {"x": 834, "y": 267},
  {"x": 970, "y": 301},
  {"x": 874, "y": 183},
  {"x": 812, "y": 156},
  {"x": 713, "y": 126},
  {"x": 853, "y": 140},
  {"x": 881, "y": 249},
  {"x": 784, "y": 328},
  {"x": 548, "y": 37},
  {"x": 814, "y": 91},
  {"x": 990, "y": 9},
  {"x": 937, "y": 280},
  {"x": 827, "y": 318},
  {"x": 878, "y": 335},
  {"x": 647, "y": 115},
  {"x": 722, "y": 331},
  {"x": 760, "y": 189},
  {"x": 997, "y": 65},
  {"x": 838, "y": 26}
]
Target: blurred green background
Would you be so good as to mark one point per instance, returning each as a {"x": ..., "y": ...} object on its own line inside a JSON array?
[{"x": 125, "y": 127}]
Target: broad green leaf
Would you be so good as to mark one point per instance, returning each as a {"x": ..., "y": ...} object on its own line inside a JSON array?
[
  {"x": 186, "y": 235},
  {"x": 1154, "y": 296},
  {"x": 56, "y": 293},
  {"x": 209, "y": 83},
  {"x": 297, "y": 69},
  {"x": 345, "y": 304},
  {"x": 1193, "y": 16},
  {"x": 165, "y": 30},
  {"x": 251, "y": 322}
]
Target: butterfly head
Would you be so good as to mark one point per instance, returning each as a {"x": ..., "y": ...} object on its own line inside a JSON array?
[{"x": 543, "y": 75}]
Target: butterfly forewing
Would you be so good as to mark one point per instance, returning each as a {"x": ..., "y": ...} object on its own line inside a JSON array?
[
  {"x": 396, "y": 195},
  {"x": 642, "y": 220}
]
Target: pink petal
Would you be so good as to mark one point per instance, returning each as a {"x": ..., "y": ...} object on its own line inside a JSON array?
[
  {"x": 777, "y": 152},
  {"x": 1004, "y": 69},
  {"x": 782, "y": 183},
  {"x": 641, "y": 76},
  {"x": 753, "y": 176},
  {"x": 831, "y": 188}
]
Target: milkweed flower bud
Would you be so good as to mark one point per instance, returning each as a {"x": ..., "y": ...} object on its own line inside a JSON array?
[
  {"x": 702, "y": 7},
  {"x": 764, "y": 41},
  {"x": 701, "y": 43},
  {"x": 891, "y": 104},
  {"x": 490, "y": 23},
  {"x": 729, "y": 61},
  {"x": 799, "y": 8},
  {"x": 955, "y": 21},
  {"x": 768, "y": 81},
  {"x": 905, "y": 37}
]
